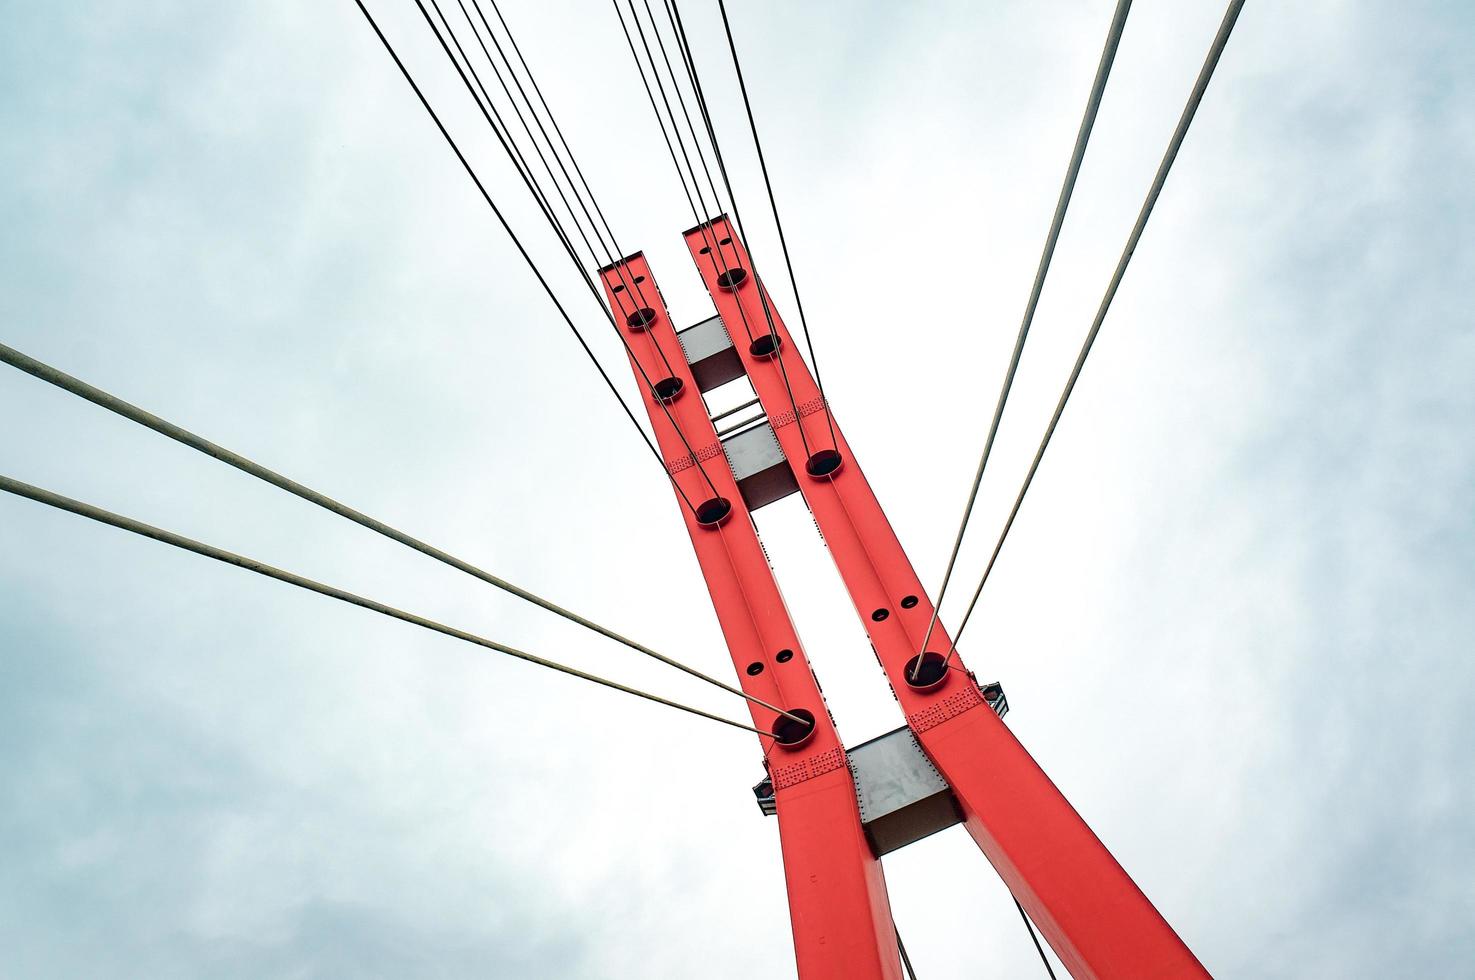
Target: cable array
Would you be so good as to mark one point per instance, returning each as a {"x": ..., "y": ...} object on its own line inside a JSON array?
[
  {"x": 90, "y": 512},
  {"x": 1067, "y": 188},
  {"x": 713, "y": 249},
  {"x": 772, "y": 201},
  {"x": 1200, "y": 85},
  {"x": 76, "y": 386}
]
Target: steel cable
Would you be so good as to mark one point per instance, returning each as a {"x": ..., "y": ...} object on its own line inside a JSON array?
[
  {"x": 502, "y": 220},
  {"x": 673, "y": 15},
  {"x": 1035, "y": 939},
  {"x": 1226, "y": 27},
  {"x": 717, "y": 204},
  {"x": 81, "y": 509},
  {"x": 578, "y": 265},
  {"x": 148, "y": 420},
  {"x": 1067, "y": 188},
  {"x": 772, "y": 203}
]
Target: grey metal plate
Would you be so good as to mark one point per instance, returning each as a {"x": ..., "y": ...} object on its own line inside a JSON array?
[
  {"x": 902, "y": 797},
  {"x": 762, "y": 471}
]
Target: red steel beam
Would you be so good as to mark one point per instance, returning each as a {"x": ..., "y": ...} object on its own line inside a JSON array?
[
  {"x": 837, "y": 895},
  {"x": 1093, "y": 915}
]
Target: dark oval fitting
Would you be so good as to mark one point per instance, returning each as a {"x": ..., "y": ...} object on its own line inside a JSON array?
[
  {"x": 754, "y": 669},
  {"x": 932, "y": 672},
  {"x": 732, "y": 278},
  {"x": 790, "y": 733},
  {"x": 668, "y": 388},
  {"x": 641, "y": 318},
  {"x": 826, "y": 462},
  {"x": 784, "y": 656},
  {"x": 765, "y": 346},
  {"x": 713, "y": 512}
]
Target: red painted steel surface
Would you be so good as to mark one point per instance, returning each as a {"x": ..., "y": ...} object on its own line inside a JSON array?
[
  {"x": 837, "y": 896},
  {"x": 1094, "y": 916}
]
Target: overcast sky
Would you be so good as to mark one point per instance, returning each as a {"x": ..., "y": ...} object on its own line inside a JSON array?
[{"x": 1234, "y": 619}]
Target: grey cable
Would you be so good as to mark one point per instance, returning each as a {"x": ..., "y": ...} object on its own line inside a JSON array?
[
  {"x": 133, "y": 413},
  {"x": 1231, "y": 14},
  {"x": 1083, "y": 137},
  {"x": 251, "y": 565}
]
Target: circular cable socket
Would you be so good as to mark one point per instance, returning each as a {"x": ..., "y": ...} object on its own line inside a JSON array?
[
  {"x": 784, "y": 656},
  {"x": 909, "y": 602},
  {"x": 790, "y": 733},
  {"x": 765, "y": 346},
  {"x": 826, "y": 462},
  {"x": 713, "y": 511},
  {"x": 732, "y": 279},
  {"x": 880, "y": 615},
  {"x": 932, "y": 673},
  {"x": 641, "y": 319},
  {"x": 755, "y": 668},
  {"x": 667, "y": 389}
]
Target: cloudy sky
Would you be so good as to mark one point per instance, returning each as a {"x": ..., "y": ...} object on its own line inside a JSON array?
[{"x": 1234, "y": 619}]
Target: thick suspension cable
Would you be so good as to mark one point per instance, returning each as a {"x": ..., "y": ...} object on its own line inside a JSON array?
[
  {"x": 1035, "y": 939},
  {"x": 81, "y": 509},
  {"x": 772, "y": 201},
  {"x": 1067, "y": 188},
  {"x": 1226, "y": 27},
  {"x": 148, "y": 420}
]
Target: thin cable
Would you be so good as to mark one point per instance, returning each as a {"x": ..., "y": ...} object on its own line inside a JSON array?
[
  {"x": 609, "y": 258},
  {"x": 906, "y": 960},
  {"x": 133, "y": 413},
  {"x": 1035, "y": 939},
  {"x": 1083, "y": 137},
  {"x": 773, "y": 204},
  {"x": 553, "y": 120},
  {"x": 604, "y": 309},
  {"x": 251, "y": 565},
  {"x": 1205, "y": 74},
  {"x": 717, "y": 203},
  {"x": 533, "y": 266},
  {"x": 678, "y": 29},
  {"x": 568, "y": 151},
  {"x": 699, "y": 209}
]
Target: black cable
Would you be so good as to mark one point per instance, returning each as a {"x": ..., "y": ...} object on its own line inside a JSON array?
[
  {"x": 501, "y": 219},
  {"x": 611, "y": 254},
  {"x": 1199, "y": 87},
  {"x": 906, "y": 960},
  {"x": 609, "y": 259},
  {"x": 56, "y": 500},
  {"x": 773, "y": 205},
  {"x": 717, "y": 204},
  {"x": 604, "y": 309},
  {"x": 1067, "y": 188},
  {"x": 1035, "y": 939},
  {"x": 698, "y": 208}
]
